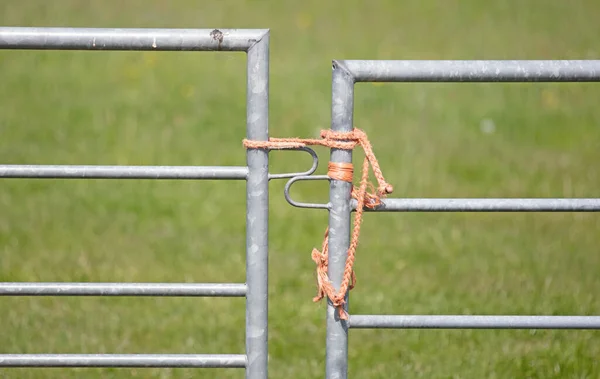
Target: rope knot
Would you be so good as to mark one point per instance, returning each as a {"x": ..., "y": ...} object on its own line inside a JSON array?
[
  {"x": 386, "y": 189},
  {"x": 343, "y": 171},
  {"x": 370, "y": 199},
  {"x": 318, "y": 257}
]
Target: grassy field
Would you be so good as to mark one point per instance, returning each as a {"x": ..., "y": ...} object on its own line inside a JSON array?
[{"x": 463, "y": 140}]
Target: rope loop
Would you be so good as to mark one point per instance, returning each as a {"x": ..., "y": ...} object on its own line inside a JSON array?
[{"x": 366, "y": 195}]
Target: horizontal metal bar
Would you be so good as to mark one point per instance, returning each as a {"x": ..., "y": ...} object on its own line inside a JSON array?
[
  {"x": 123, "y": 289},
  {"x": 486, "y": 205},
  {"x": 122, "y": 172},
  {"x": 124, "y": 360},
  {"x": 472, "y": 71},
  {"x": 129, "y": 39},
  {"x": 473, "y": 322}
]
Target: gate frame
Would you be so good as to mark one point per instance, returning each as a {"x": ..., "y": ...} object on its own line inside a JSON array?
[
  {"x": 345, "y": 75},
  {"x": 255, "y": 42}
]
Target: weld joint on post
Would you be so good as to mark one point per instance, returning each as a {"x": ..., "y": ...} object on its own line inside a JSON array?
[
  {"x": 253, "y": 42},
  {"x": 341, "y": 66}
]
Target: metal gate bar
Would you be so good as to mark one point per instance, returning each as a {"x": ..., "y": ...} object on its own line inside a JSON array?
[
  {"x": 122, "y": 172},
  {"x": 256, "y": 44},
  {"x": 125, "y": 360},
  {"x": 123, "y": 289},
  {"x": 473, "y": 71},
  {"x": 345, "y": 74},
  {"x": 486, "y": 205},
  {"x": 473, "y": 322}
]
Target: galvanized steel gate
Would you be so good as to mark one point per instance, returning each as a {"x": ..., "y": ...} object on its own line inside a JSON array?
[
  {"x": 340, "y": 206},
  {"x": 256, "y": 44},
  {"x": 345, "y": 74}
]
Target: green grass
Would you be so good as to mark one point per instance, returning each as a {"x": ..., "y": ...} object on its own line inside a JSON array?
[{"x": 189, "y": 108}]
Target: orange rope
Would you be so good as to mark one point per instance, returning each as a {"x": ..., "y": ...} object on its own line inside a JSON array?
[
  {"x": 344, "y": 172},
  {"x": 341, "y": 171}
]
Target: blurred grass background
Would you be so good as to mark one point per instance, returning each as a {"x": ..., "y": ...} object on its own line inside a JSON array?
[{"x": 432, "y": 140}]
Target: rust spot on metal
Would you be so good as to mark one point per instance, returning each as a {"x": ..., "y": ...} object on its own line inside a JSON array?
[{"x": 217, "y": 35}]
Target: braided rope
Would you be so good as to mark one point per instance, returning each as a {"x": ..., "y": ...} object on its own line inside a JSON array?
[{"x": 364, "y": 198}]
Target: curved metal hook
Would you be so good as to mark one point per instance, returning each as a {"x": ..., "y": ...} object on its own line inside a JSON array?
[
  {"x": 305, "y": 173},
  {"x": 286, "y": 192}
]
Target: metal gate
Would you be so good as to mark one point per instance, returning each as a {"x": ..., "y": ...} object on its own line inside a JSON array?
[
  {"x": 340, "y": 206},
  {"x": 345, "y": 74},
  {"x": 256, "y": 44}
]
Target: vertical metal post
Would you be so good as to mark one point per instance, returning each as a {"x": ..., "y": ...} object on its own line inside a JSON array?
[
  {"x": 257, "y": 213},
  {"x": 336, "y": 362}
]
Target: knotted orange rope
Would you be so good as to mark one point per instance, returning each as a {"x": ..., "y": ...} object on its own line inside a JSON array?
[{"x": 344, "y": 172}]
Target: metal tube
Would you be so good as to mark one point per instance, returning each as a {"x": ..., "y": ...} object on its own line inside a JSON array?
[
  {"x": 124, "y": 360},
  {"x": 486, "y": 205},
  {"x": 122, "y": 172},
  {"x": 128, "y": 39},
  {"x": 123, "y": 289},
  {"x": 474, "y": 322},
  {"x": 474, "y": 71},
  {"x": 257, "y": 214},
  {"x": 336, "y": 364}
]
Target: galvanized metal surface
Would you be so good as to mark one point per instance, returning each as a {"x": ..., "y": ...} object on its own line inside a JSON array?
[
  {"x": 473, "y": 71},
  {"x": 339, "y": 226},
  {"x": 486, "y": 205},
  {"x": 123, "y": 289},
  {"x": 473, "y": 322},
  {"x": 345, "y": 74},
  {"x": 299, "y": 204},
  {"x": 256, "y": 44},
  {"x": 122, "y": 172},
  {"x": 124, "y": 360},
  {"x": 457, "y": 205},
  {"x": 257, "y": 213},
  {"x": 129, "y": 39},
  {"x": 294, "y": 175}
]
